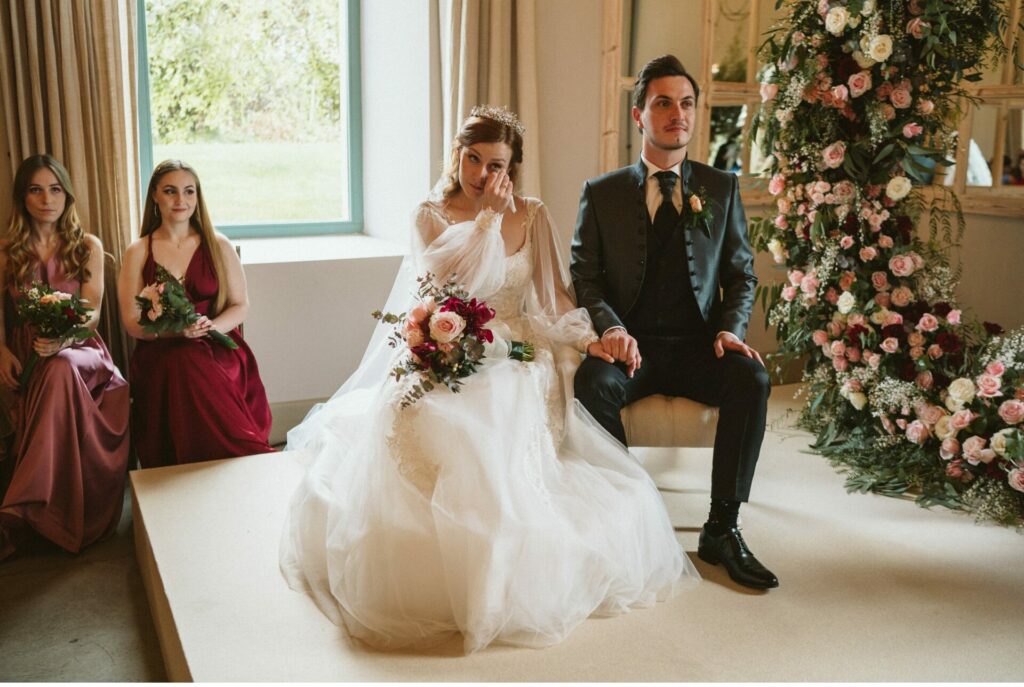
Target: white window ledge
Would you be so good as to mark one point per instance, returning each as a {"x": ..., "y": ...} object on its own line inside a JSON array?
[{"x": 260, "y": 251}]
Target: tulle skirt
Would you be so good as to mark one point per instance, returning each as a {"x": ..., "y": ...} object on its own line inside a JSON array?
[{"x": 503, "y": 512}]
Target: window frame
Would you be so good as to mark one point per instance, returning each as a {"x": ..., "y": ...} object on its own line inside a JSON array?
[{"x": 352, "y": 90}]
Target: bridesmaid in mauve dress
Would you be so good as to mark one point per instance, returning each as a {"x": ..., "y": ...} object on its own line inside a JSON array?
[
  {"x": 194, "y": 399},
  {"x": 70, "y": 448}
]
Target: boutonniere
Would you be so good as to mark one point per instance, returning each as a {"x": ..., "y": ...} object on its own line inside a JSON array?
[{"x": 697, "y": 211}]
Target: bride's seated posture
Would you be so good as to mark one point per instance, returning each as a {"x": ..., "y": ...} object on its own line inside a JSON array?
[{"x": 503, "y": 512}]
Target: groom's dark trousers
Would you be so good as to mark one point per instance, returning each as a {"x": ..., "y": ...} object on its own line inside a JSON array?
[{"x": 673, "y": 292}]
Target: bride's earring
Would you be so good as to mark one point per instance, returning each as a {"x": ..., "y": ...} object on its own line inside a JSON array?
[{"x": 156, "y": 210}]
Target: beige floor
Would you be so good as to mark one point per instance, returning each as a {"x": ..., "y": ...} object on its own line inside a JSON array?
[{"x": 872, "y": 589}]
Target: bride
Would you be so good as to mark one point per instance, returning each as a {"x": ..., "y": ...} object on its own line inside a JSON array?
[{"x": 504, "y": 512}]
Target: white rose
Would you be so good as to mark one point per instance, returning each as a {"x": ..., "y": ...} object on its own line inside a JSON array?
[
  {"x": 863, "y": 61},
  {"x": 836, "y": 20},
  {"x": 868, "y": 7},
  {"x": 777, "y": 250},
  {"x": 846, "y": 302},
  {"x": 962, "y": 391},
  {"x": 446, "y": 327},
  {"x": 880, "y": 48},
  {"x": 898, "y": 188},
  {"x": 944, "y": 428},
  {"x": 858, "y": 400},
  {"x": 998, "y": 442}
]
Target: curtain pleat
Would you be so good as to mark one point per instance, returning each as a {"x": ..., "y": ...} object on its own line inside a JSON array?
[
  {"x": 489, "y": 57},
  {"x": 67, "y": 86}
]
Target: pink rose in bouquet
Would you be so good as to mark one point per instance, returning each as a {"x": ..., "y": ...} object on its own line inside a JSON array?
[{"x": 444, "y": 334}]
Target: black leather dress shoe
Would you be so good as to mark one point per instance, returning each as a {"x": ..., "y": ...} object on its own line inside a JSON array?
[{"x": 730, "y": 550}]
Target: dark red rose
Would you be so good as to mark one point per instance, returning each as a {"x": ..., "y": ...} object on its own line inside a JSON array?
[
  {"x": 908, "y": 371},
  {"x": 913, "y": 312},
  {"x": 905, "y": 226},
  {"x": 853, "y": 334},
  {"x": 942, "y": 308},
  {"x": 992, "y": 328},
  {"x": 845, "y": 68},
  {"x": 949, "y": 342},
  {"x": 939, "y": 381},
  {"x": 896, "y": 331},
  {"x": 995, "y": 470},
  {"x": 851, "y": 226}
]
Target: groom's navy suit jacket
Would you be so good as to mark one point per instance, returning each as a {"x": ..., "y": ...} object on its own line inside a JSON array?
[{"x": 609, "y": 249}]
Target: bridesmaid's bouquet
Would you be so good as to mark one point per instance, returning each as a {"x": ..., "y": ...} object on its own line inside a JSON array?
[
  {"x": 54, "y": 315},
  {"x": 165, "y": 307},
  {"x": 445, "y": 334}
]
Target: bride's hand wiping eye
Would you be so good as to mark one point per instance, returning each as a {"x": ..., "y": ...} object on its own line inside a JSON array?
[{"x": 498, "y": 193}]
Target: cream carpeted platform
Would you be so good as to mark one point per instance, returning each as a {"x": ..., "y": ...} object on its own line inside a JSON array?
[{"x": 871, "y": 588}]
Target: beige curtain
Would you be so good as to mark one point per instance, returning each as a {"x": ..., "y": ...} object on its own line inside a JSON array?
[
  {"x": 67, "y": 88},
  {"x": 489, "y": 56}
]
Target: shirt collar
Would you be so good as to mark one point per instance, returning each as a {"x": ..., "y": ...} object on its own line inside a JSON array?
[{"x": 653, "y": 169}]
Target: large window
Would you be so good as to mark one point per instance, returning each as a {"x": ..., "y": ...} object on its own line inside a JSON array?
[{"x": 261, "y": 97}]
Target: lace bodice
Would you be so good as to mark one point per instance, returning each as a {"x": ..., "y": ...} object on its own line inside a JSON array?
[{"x": 508, "y": 302}]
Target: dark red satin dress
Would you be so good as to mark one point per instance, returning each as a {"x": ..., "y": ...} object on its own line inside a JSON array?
[
  {"x": 70, "y": 437},
  {"x": 194, "y": 399}
]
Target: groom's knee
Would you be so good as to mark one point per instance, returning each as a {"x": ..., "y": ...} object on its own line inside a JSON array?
[{"x": 599, "y": 382}]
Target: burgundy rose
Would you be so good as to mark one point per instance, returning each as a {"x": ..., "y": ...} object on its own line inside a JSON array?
[
  {"x": 992, "y": 328},
  {"x": 908, "y": 371},
  {"x": 895, "y": 331},
  {"x": 845, "y": 68},
  {"x": 853, "y": 334},
  {"x": 942, "y": 308},
  {"x": 949, "y": 342}
]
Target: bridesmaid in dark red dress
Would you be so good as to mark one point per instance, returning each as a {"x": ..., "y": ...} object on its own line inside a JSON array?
[
  {"x": 70, "y": 447},
  {"x": 194, "y": 399}
]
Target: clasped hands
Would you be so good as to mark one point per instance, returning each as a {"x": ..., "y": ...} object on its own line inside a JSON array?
[{"x": 617, "y": 345}]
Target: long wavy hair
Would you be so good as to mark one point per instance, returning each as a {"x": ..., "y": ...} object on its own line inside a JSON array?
[
  {"x": 73, "y": 252},
  {"x": 200, "y": 221},
  {"x": 481, "y": 130}
]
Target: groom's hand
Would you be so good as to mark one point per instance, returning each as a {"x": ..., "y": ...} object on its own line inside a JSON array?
[
  {"x": 623, "y": 347},
  {"x": 727, "y": 341}
]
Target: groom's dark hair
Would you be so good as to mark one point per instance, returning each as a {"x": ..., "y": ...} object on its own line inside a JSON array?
[{"x": 666, "y": 65}]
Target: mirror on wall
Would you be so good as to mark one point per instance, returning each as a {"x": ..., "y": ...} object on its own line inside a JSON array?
[{"x": 717, "y": 41}]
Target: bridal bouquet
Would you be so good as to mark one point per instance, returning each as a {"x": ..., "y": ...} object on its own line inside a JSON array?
[
  {"x": 164, "y": 307},
  {"x": 55, "y": 315},
  {"x": 445, "y": 334}
]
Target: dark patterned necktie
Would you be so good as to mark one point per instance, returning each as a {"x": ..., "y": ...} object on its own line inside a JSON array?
[{"x": 666, "y": 217}]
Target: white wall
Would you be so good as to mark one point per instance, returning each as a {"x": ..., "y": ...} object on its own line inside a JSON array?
[
  {"x": 310, "y": 320},
  {"x": 569, "y": 93}
]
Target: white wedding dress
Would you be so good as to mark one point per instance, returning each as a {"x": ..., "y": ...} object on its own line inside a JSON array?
[{"x": 503, "y": 512}]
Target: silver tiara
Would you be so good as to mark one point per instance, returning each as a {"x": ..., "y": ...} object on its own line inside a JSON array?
[{"x": 499, "y": 114}]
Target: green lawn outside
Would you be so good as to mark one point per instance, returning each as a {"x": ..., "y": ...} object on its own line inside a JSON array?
[{"x": 267, "y": 182}]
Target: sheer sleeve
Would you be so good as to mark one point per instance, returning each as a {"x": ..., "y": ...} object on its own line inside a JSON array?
[
  {"x": 473, "y": 253},
  {"x": 552, "y": 307}
]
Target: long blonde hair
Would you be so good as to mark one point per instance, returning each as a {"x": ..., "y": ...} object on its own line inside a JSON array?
[
  {"x": 74, "y": 251},
  {"x": 200, "y": 221}
]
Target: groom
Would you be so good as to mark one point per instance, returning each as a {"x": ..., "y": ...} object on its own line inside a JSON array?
[{"x": 661, "y": 261}]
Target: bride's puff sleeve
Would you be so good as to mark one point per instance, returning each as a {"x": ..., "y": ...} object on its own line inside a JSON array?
[
  {"x": 553, "y": 309},
  {"x": 472, "y": 252}
]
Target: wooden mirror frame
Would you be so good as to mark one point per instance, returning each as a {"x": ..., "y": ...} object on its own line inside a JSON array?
[{"x": 997, "y": 200}]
